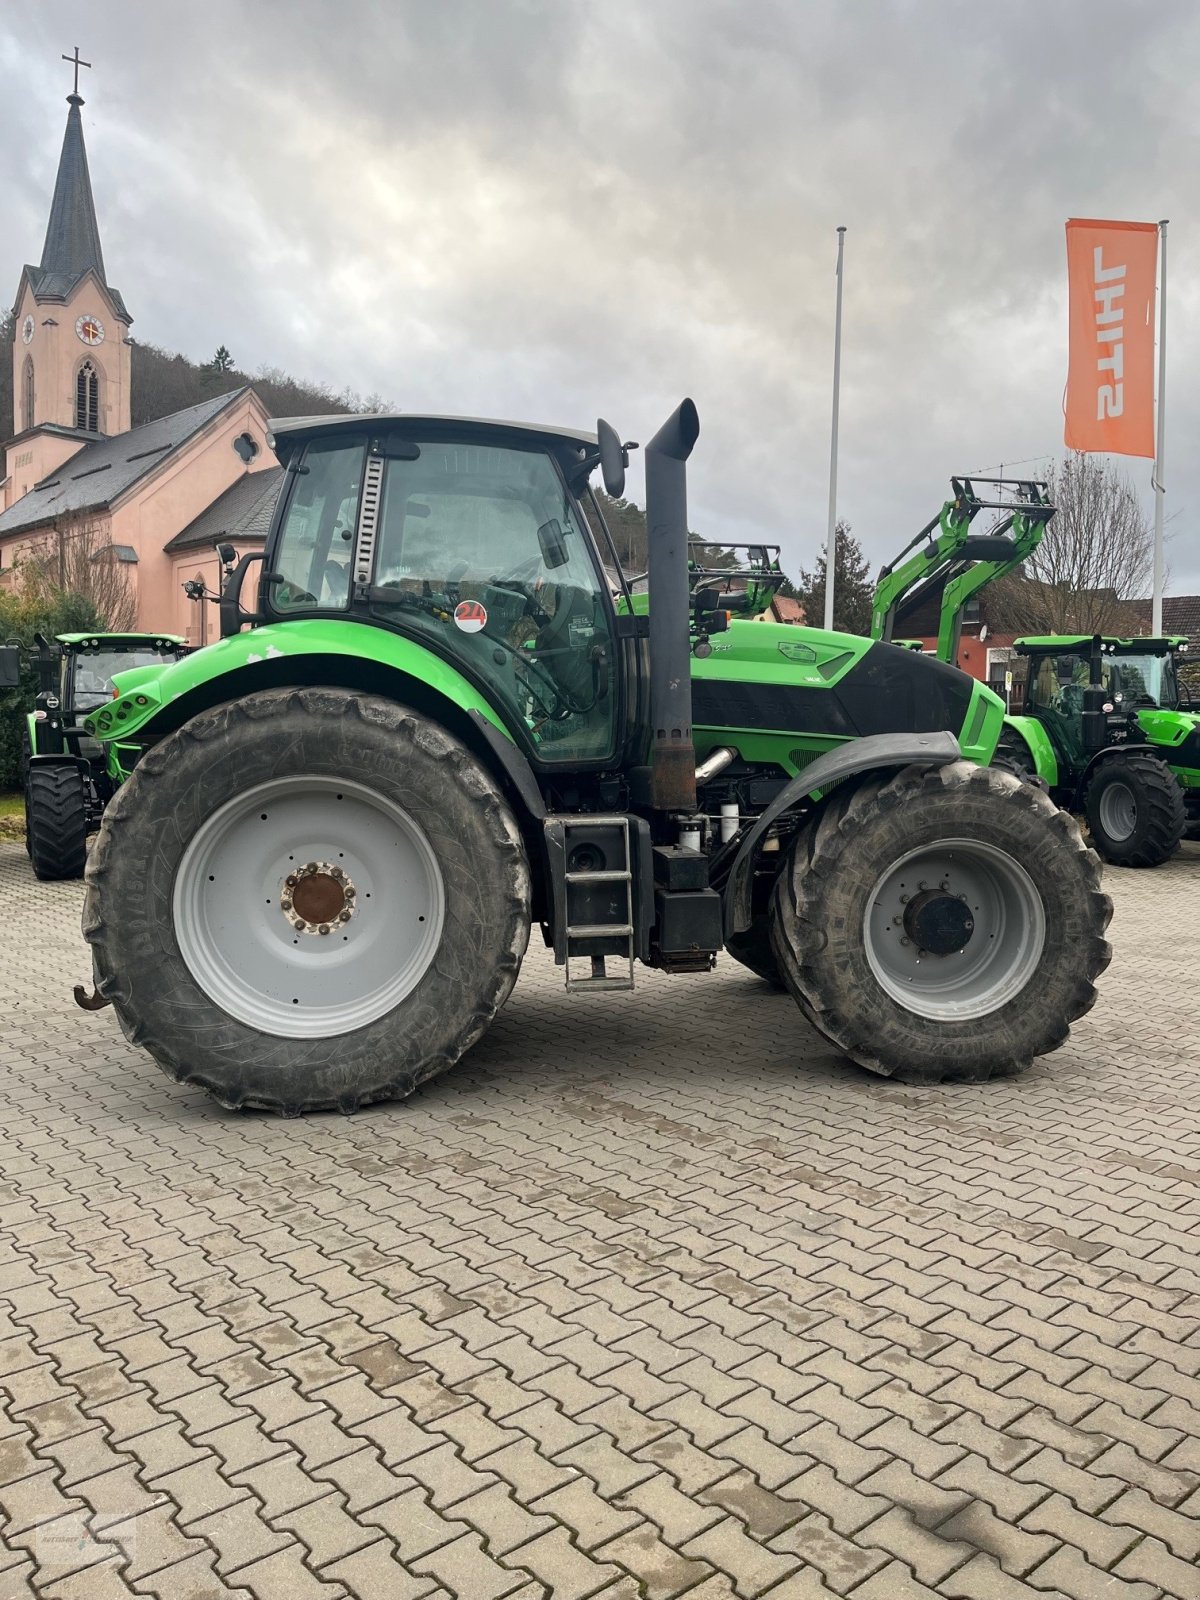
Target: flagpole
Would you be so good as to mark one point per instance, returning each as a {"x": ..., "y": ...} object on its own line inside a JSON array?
[
  {"x": 831, "y": 531},
  {"x": 1156, "y": 621}
]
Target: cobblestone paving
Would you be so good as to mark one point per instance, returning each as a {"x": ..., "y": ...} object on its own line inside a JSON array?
[{"x": 644, "y": 1299}]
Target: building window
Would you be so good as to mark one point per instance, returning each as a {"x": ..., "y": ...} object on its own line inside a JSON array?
[
  {"x": 27, "y": 393},
  {"x": 87, "y": 398}
]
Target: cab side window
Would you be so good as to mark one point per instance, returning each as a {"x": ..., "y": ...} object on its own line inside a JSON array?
[{"x": 318, "y": 534}]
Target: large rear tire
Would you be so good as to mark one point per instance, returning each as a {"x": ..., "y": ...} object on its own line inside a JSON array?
[
  {"x": 56, "y": 820},
  {"x": 307, "y": 899},
  {"x": 947, "y": 923},
  {"x": 1135, "y": 810}
]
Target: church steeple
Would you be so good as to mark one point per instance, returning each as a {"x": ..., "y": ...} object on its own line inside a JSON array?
[
  {"x": 71, "y": 359},
  {"x": 72, "y": 234}
]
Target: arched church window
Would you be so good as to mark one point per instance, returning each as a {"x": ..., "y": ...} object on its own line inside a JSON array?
[
  {"x": 87, "y": 398},
  {"x": 27, "y": 393}
]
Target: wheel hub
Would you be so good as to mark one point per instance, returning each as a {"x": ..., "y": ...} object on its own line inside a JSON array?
[
  {"x": 938, "y": 922},
  {"x": 317, "y": 897}
]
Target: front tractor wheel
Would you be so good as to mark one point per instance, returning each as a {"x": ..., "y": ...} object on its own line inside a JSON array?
[
  {"x": 1135, "y": 811},
  {"x": 307, "y": 899},
  {"x": 56, "y": 820},
  {"x": 945, "y": 924}
]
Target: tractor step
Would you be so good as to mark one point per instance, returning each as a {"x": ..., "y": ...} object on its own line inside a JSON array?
[{"x": 593, "y": 893}]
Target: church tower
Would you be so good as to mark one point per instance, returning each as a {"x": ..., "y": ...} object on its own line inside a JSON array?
[{"x": 71, "y": 355}]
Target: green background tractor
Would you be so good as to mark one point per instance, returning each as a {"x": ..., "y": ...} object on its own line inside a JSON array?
[
  {"x": 450, "y": 718},
  {"x": 1130, "y": 758},
  {"x": 1103, "y": 729},
  {"x": 63, "y": 768}
]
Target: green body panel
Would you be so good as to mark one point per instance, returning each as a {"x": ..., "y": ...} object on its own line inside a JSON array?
[
  {"x": 1165, "y": 727},
  {"x": 31, "y": 729},
  {"x": 779, "y": 653},
  {"x": 146, "y": 692},
  {"x": 1041, "y": 750}
]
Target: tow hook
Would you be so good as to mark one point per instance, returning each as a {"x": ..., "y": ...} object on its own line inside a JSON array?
[{"x": 90, "y": 1002}]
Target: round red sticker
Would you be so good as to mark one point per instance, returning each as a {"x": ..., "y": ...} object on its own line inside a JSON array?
[{"x": 470, "y": 616}]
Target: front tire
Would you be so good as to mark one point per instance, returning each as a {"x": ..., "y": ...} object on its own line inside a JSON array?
[
  {"x": 983, "y": 869},
  {"x": 307, "y": 899},
  {"x": 1135, "y": 810},
  {"x": 55, "y": 820}
]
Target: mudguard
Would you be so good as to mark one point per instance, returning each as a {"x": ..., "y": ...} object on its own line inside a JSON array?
[
  {"x": 875, "y": 752},
  {"x": 1037, "y": 742}
]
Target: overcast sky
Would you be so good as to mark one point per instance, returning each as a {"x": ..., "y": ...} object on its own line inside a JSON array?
[{"x": 554, "y": 209}]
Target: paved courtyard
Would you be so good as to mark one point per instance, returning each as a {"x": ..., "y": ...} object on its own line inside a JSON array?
[{"x": 643, "y": 1299}]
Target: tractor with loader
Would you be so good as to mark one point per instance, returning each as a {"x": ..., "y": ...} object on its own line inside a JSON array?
[
  {"x": 436, "y": 726},
  {"x": 64, "y": 772},
  {"x": 1103, "y": 727}
]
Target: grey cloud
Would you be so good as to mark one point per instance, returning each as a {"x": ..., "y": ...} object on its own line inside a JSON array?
[{"x": 553, "y": 209}]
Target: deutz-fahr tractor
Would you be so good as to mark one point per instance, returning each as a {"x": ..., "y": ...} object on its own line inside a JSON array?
[
  {"x": 450, "y": 718},
  {"x": 63, "y": 768},
  {"x": 1103, "y": 729}
]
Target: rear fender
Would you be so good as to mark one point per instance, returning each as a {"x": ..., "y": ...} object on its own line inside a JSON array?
[
  {"x": 877, "y": 752},
  {"x": 1037, "y": 742}
]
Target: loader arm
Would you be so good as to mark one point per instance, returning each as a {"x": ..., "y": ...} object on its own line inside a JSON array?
[{"x": 957, "y": 563}]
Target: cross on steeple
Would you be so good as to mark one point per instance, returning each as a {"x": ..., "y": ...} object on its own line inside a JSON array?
[{"x": 76, "y": 63}]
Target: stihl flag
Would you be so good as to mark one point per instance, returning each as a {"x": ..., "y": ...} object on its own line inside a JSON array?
[{"x": 1111, "y": 270}]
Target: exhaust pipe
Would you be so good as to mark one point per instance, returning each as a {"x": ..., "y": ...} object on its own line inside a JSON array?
[{"x": 672, "y": 753}]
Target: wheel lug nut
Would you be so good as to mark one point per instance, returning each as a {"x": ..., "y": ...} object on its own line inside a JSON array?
[
  {"x": 336, "y": 872},
  {"x": 324, "y": 928},
  {"x": 343, "y": 916},
  {"x": 350, "y": 891},
  {"x": 290, "y": 880},
  {"x": 286, "y": 904}
]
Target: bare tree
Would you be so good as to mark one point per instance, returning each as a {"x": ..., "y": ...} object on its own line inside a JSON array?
[
  {"x": 79, "y": 560},
  {"x": 1096, "y": 555}
]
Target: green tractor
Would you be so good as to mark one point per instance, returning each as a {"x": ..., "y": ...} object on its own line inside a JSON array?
[
  {"x": 334, "y": 829},
  {"x": 63, "y": 768},
  {"x": 1103, "y": 728}
]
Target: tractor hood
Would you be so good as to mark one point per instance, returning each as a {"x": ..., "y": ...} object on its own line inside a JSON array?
[
  {"x": 773, "y": 681},
  {"x": 1176, "y": 734}
]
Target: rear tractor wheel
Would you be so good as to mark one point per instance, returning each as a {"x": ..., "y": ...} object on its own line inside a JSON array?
[
  {"x": 945, "y": 924},
  {"x": 56, "y": 820},
  {"x": 1135, "y": 810},
  {"x": 307, "y": 899}
]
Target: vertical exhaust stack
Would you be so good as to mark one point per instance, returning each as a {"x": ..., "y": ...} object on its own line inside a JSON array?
[{"x": 672, "y": 753}]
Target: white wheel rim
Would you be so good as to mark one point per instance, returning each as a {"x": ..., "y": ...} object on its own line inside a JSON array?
[
  {"x": 1001, "y": 954},
  {"x": 238, "y": 924},
  {"x": 1118, "y": 810}
]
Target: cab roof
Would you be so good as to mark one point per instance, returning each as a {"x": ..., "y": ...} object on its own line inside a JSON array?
[
  {"x": 1069, "y": 642},
  {"x": 120, "y": 641},
  {"x": 288, "y": 430}
]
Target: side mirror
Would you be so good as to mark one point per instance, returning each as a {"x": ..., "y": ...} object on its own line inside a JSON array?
[
  {"x": 613, "y": 459},
  {"x": 553, "y": 543},
  {"x": 226, "y": 554},
  {"x": 10, "y": 666}
]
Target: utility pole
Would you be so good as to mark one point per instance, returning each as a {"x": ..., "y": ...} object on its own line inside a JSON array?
[{"x": 831, "y": 531}]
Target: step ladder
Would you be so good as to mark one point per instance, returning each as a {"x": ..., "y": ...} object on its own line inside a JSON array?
[{"x": 582, "y": 904}]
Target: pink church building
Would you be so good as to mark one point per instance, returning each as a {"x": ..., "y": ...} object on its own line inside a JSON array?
[{"x": 155, "y": 498}]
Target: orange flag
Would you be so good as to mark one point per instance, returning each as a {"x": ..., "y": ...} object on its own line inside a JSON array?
[{"x": 1111, "y": 270}]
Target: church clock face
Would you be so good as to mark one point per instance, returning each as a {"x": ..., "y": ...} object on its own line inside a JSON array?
[
  {"x": 27, "y": 329},
  {"x": 90, "y": 330}
]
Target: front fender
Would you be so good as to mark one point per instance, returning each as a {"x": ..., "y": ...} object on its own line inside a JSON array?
[
  {"x": 152, "y": 701},
  {"x": 1037, "y": 742},
  {"x": 876, "y": 752}
]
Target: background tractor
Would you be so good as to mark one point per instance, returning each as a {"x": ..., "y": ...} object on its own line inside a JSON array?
[
  {"x": 315, "y": 884},
  {"x": 63, "y": 768},
  {"x": 1103, "y": 727}
]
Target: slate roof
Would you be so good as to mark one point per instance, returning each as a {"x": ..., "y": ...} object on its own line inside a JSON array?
[
  {"x": 72, "y": 247},
  {"x": 97, "y": 475},
  {"x": 242, "y": 512}
]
